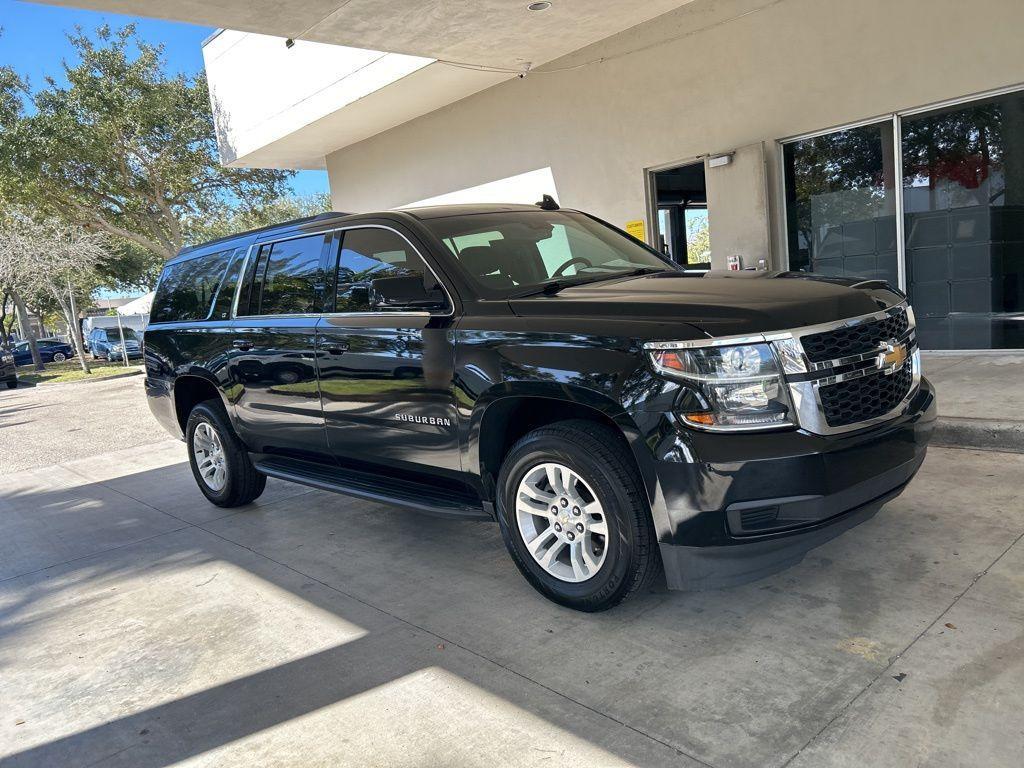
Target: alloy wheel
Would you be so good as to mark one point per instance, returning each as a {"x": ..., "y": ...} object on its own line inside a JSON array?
[
  {"x": 561, "y": 522},
  {"x": 209, "y": 455}
]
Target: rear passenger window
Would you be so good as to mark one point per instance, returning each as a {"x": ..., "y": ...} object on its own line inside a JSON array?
[
  {"x": 226, "y": 293},
  {"x": 290, "y": 278},
  {"x": 187, "y": 288},
  {"x": 369, "y": 254}
]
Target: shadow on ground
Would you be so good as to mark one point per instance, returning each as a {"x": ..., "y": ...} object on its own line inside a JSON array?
[{"x": 141, "y": 626}]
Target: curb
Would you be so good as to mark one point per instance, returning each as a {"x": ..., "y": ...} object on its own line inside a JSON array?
[{"x": 986, "y": 434}]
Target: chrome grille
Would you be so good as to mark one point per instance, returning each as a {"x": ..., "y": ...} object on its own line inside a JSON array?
[{"x": 854, "y": 340}]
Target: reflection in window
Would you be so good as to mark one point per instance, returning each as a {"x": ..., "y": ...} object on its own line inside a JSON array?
[
  {"x": 187, "y": 288},
  {"x": 963, "y": 196},
  {"x": 370, "y": 254},
  {"x": 841, "y": 203},
  {"x": 292, "y": 273}
]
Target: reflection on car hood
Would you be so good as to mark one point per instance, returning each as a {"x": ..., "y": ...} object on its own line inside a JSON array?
[{"x": 719, "y": 303}]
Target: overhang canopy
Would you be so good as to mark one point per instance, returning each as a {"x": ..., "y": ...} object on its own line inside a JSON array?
[{"x": 362, "y": 66}]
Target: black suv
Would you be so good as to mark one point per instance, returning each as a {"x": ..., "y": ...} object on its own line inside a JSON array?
[{"x": 544, "y": 369}]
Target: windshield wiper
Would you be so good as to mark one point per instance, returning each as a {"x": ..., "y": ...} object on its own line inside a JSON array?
[{"x": 551, "y": 287}]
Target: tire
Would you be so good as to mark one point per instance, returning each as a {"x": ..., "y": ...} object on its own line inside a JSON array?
[
  {"x": 626, "y": 561},
  {"x": 13, "y": 384},
  {"x": 242, "y": 484},
  {"x": 59, "y": 357}
]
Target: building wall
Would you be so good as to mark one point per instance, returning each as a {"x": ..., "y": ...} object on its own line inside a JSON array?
[{"x": 714, "y": 76}]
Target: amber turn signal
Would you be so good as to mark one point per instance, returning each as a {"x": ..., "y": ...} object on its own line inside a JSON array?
[{"x": 706, "y": 419}]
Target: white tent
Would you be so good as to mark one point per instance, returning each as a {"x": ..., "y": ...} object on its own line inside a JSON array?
[{"x": 139, "y": 306}]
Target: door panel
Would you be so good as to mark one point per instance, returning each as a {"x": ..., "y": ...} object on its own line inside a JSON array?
[
  {"x": 386, "y": 376},
  {"x": 273, "y": 384},
  {"x": 387, "y": 391},
  {"x": 272, "y": 366}
]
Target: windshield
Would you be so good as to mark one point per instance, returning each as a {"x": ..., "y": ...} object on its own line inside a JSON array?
[
  {"x": 509, "y": 253},
  {"x": 129, "y": 335}
]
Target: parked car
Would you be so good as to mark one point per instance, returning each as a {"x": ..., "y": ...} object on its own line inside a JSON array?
[
  {"x": 541, "y": 368},
  {"x": 50, "y": 350},
  {"x": 106, "y": 343},
  {"x": 8, "y": 369}
]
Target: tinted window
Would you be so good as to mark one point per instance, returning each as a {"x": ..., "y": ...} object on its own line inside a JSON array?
[
  {"x": 369, "y": 254},
  {"x": 289, "y": 284},
  {"x": 226, "y": 294},
  {"x": 187, "y": 288},
  {"x": 249, "y": 301}
]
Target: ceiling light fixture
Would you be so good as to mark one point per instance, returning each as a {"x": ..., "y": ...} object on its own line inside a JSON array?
[{"x": 538, "y": 6}]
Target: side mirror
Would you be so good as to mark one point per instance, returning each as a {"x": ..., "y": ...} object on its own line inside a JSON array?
[{"x": 404, "y": 291}]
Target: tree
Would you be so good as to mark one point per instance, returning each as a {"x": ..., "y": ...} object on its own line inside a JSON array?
[
  {"x": 125, "y": 150},
  {"x": 14, "y": 280},
  {"x": 56, "y": 263}
]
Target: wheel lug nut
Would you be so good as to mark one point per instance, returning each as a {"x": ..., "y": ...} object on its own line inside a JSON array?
[
  {"x": 555, "y": 510},
  {"x": 570, "y": 535},
  {"x": 564, "y": 502},
  {"x": 579, "y": 527},
  {"x": 576, "y": 511},
  {"x": 558, "y": 527}
]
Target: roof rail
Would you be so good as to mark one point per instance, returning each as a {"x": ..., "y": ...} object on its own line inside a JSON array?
[{"x": 281, "y": 225}]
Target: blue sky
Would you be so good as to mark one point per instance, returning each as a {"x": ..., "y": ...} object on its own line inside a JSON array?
[{"x": 34, "y": 43}]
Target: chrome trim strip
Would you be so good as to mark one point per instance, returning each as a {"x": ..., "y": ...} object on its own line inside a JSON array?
[{"x": 793, "y": 333}]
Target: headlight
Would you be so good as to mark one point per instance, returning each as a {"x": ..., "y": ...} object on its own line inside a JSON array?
[
  {"x": 733, "y": 388},
  {"x": 7, "y": 358}
]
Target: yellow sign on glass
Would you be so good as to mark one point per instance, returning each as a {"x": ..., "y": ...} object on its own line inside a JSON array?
[{"x": 636, "y": 229}]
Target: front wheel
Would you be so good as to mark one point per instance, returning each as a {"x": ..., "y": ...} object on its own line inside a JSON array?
[
  {"x": 13, "y": 384},
  {"x": 573, "y": 515},
  {"x": 219, "y": 460},
  {"x": 59, "y": 357}
]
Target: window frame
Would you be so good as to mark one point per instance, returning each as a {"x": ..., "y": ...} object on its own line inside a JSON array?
[
  {"x": 232, "y": 255},
  {"x": 337, "y": 247},
  {"x": 332, "y": 240},
  {"x": 247, "y": 282}
]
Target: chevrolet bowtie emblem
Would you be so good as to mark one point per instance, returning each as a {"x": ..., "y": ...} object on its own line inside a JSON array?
[{"x": 891, "y": 357}]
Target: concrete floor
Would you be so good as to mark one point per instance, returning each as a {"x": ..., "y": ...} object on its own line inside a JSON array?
[{"x": 140, "y": 626}]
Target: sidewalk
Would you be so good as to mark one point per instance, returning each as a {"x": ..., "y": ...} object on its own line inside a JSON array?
[{"x": 981, "y": 399}]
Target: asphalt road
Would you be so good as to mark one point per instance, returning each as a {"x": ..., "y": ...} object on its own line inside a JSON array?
[{"x": 54, "y": 423}]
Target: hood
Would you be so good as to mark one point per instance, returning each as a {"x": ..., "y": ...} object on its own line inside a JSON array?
[{"x": 720, "y": 303}]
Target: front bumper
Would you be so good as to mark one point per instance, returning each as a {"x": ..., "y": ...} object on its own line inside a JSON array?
[{"x": 734, "y": 508}]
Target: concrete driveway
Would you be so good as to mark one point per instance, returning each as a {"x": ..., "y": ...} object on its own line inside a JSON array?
[{"x": 140, "y": 626}]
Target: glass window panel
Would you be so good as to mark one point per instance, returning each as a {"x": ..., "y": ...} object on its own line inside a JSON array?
[
  {"x": 841, "y": 203},
  {"x": 187, "y": 288},
  {"x": 291, "y": 278},
  {"x": 370, "y": 254},
  {"x": 963, "y": 198}
]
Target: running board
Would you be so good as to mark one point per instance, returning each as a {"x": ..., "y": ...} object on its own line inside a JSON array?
[{"x": 410, "y": 494}]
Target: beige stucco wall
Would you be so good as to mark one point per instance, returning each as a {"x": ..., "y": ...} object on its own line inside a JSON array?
[{"x": 715, "y": 76}]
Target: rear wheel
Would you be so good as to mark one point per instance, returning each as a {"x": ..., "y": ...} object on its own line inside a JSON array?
[
  {"x": 574, "y": 518},
  {"x": 219, "y": 460}
]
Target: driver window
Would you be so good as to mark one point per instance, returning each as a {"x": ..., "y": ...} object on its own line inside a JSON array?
[{"x": 369, "y": 254}]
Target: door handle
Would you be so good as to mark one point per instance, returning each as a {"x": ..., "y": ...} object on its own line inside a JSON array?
[
  {"x": 242, "y": 344},
  {"x": 338, "y": 348}
]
